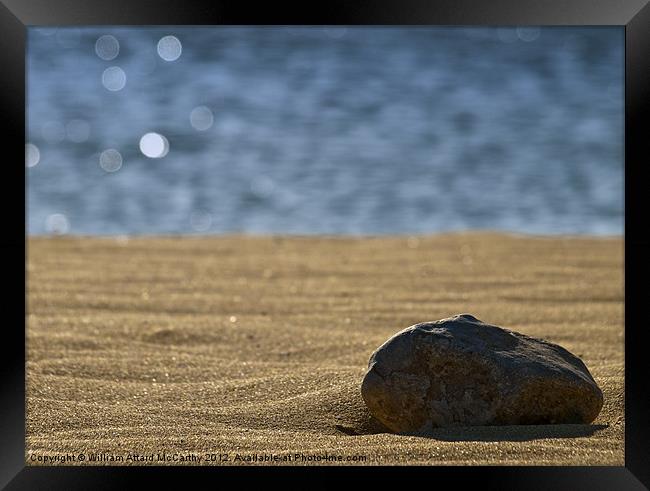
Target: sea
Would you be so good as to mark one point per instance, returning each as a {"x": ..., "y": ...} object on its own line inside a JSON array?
[{"x": 337, "y": 130}]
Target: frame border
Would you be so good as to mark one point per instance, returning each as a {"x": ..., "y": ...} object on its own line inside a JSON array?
[{"x": 634, "y": 15}]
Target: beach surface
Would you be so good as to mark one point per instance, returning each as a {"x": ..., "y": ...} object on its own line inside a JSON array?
[{"x": 250, "y": 350}]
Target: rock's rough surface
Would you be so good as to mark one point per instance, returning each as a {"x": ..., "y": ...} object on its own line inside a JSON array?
[{"x": 461, "y": 371}]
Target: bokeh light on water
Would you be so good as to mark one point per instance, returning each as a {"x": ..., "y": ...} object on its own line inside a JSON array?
[
  {"x": 528, "y": 34},
  {"x": 114, "y": 78},
  {"x": 325, "y": 129},
  {"x": 201, "y": 220},
  {"x": 110, "y": 160},
  {"x": 154, "y": 145},
  {"x": 57, "y": 224},
  {"x": 32, "y": 155},
  {"x": 169, "y": 48},
  {"x": 107, "y": 47},
  {"x": 201, "y": 118}
]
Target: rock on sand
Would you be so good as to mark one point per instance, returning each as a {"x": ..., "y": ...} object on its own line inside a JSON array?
[{"x": 461, "y": 372}]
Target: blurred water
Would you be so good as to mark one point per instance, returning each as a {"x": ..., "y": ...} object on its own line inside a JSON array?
[{"x": 325, "y": 130}]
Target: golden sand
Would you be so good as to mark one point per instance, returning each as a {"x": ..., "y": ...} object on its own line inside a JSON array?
[{"x": 197, "y": 350}]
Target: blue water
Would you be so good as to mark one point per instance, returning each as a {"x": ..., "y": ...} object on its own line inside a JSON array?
[{"x": 352, "y": 130}]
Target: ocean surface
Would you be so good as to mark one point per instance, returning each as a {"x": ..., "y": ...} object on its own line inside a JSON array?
[{"x": 310, "y": 130}]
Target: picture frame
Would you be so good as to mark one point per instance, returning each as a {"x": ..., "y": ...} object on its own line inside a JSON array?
[{"x": 633, "y": 15}]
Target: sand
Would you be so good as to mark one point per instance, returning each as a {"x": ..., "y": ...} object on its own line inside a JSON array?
[{"x": 247, "y": 350}]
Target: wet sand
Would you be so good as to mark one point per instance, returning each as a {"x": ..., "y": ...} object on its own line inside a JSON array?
[{"x": 196, "y": 350}]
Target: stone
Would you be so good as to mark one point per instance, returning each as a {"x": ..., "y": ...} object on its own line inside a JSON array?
[{"x": 462, "y": 372}]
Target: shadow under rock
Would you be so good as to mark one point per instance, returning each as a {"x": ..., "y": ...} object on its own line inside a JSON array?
[
  {"x": 366, "y": 425},
  {"x": 511, "y": 433},
  {"x": 370, "y": 426}
]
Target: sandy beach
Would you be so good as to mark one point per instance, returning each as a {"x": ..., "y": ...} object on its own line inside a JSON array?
[{"x": 250, "y": 350}]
